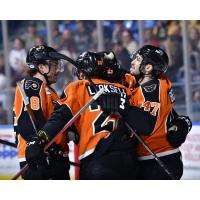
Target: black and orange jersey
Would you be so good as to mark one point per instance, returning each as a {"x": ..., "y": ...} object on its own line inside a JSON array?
[
  {"x": 93, "y": 124},
  {"x": 128, "y": 80},
  {"x": 157, "y": 98},
  {"x": 42, "y": 100}
]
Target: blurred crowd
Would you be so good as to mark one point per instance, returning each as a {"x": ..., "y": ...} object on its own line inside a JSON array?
[{"x": 73, "y": 37}]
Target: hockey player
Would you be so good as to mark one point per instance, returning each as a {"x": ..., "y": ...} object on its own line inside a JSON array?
[
  {"x": 154, "y": 94},
  {"x": 104, "y": 152},
  {"x": 44, "y": 67}
]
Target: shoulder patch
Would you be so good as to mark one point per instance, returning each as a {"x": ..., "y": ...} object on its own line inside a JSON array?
[
  {"x": 150, "y": 88},
  {"x": 171, "y": 95},
  {"x": 31, "y": 84}
]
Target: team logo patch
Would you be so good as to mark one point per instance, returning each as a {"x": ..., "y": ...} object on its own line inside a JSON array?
[
  {"x": 171, "y": 95},
  {"x": 31, "y": 84},
  {"x": 150, "y": 88}
]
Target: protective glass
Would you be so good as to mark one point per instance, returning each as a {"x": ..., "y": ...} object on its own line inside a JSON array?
[{"x": 57, "y": 64}]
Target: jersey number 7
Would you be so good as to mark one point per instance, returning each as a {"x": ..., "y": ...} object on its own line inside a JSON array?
[{"x": 152, "y": 107}]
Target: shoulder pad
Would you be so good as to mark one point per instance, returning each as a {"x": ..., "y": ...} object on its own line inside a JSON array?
[
  {"x": 33, "y": 84},
  {"x": 150, "y": 88}
]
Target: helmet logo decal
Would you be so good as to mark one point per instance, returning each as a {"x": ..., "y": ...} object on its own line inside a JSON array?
[
  {"x": 39, "y": 48},
  {"x": 109, "y": 56},
  {"x": 159, "y": 52}
]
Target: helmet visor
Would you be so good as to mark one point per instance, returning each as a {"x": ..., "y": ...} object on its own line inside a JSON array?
[{"x": 57, "y": 64}]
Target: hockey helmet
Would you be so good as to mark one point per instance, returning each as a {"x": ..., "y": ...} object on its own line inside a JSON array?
[{"x": 155, "y": 56}]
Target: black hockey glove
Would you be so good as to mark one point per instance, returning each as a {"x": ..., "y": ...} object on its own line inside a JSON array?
[
  {"x": 55, "y": 150},
  {"x": 58, "y": 163},
  {"x": 178, "y": 130},
  {"x": 34, "y": 153},
  {"x": 111, "y": 103}
]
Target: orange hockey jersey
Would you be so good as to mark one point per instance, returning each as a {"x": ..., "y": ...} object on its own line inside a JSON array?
[
  {"x": 42, "y": 101},
  {"x": 156, "y": 97},
  {"x": 93, "y": 124}
]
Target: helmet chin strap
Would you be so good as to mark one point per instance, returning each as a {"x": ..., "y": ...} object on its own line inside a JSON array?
[{"x": 45, "y": 75}]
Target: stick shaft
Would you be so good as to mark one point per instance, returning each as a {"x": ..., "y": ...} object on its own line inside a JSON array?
[{"x": 95, "y": 97}]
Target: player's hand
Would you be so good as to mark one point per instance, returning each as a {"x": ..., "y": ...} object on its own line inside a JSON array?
[
  {"x": 58, "y": 162},
  {"x": 34, "y": 153},
  {"x": 111, "y": 103},
  {"x": 178, "y": 130}
]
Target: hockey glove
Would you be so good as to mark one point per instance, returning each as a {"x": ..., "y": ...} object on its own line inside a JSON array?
[
  {"x": 178, "y": 130},
  {"x": 58, "y": 163},
  {"x": 111, "y": 103},
  {"x": 34, "y": 153}
]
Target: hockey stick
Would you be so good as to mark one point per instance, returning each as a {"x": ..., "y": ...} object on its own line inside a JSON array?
[
  {"x": 15, "y": 146},
  {"x": 8, "y": 143},
  {"x": 27, "y": 105},
  {"x": 158, "y": 160},
  {"x": 73, "y": 119}
]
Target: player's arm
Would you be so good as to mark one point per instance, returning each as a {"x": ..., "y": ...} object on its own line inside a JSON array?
[
  {"x": 24, "y": 126},
  {"x": 141, "y": 121},
  {"x": 56, "y": 122}
]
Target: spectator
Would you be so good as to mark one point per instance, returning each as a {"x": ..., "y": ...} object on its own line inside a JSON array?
[
  {"x": 122, "y": 55},
  {"x": 39, "y": 40},
  {"x": 174, "y": 48},
  {"x": 2, "y": 73},
  {"x": 67, "y": 42},
  {"x": 194, "y": 38},
  {"x": 67, "y": 48},
  {"x": 17, "y": 59},
  {"x": 107, "y": 36},
  {"x": 118, "y": 29},
  {"x": 128, "y": 41},
  {"x": 149, "y": 38},
  {"x": 30, "y": 35},
  {"x": 94, "y": 43},
  {"x": 161, "y": 29},
  {"x": 82, "y": 37},
  {"x": 56, "y": 35},
  {"x": 196, "y": 96}
]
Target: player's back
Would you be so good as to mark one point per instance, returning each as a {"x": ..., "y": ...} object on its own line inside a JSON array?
[{"x": 93, "y": 124}]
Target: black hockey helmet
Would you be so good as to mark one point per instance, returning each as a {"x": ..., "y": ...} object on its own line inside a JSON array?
[
  {"x": 89, "y": 63},
  {"x": 98, "y": 64},
  {"x": 155, "y": 56},
  {"x": 40, "y": 55},
  {"x": 112, "y": 66}
]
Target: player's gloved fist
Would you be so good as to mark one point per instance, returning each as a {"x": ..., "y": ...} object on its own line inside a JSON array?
[
  {"x": 58, "y": 162},
  {"x": 178, "y": 130},
  {"x": 111, "y": 103},
  {"x": 34, "y": 153},
  {"x": 55, "y": 150}
]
